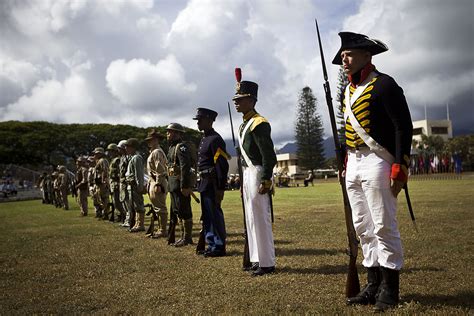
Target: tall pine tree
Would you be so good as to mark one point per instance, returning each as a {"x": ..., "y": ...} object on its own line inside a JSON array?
[
  {"x": 309, "y": 132},
  {"x": 342, "y": 82}
]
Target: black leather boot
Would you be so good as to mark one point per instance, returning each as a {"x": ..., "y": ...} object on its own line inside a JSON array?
[
  {"x": 388, "y": 296},
  {"x": 367, "y": 294}
]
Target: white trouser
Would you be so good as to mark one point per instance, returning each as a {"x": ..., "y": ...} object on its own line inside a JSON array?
[
  {"x": 374, "y": 209},
  {"x": 258, "y": 219}
]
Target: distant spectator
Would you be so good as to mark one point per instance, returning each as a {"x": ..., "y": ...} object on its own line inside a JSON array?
[{"x": 309, "y": 178}]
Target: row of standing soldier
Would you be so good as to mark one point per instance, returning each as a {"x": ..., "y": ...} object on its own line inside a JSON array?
[
  {"x": 378, "y": 136},
  {"x": 122, "y": 180}
]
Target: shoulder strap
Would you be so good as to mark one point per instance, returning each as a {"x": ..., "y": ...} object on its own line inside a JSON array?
[
  {"x": 373, "y": 145},
  {"x": 241, "y": 142}
]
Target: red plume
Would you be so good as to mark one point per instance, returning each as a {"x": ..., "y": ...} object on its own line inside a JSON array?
[{"x": 238, "y": 74}]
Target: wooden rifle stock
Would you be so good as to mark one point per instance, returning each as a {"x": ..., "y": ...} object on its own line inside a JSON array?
[
  {"x": 172, "y": 228},
  {"x": 352, "y": 283},
  {"x": 246, "y": 264}
]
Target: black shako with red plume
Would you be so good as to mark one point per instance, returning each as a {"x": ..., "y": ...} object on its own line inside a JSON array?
[{"x": 244, "y": 89}]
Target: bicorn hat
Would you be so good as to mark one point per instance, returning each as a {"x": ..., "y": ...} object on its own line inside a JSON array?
[
  {"x": 176, "y": 127},
  {"x": 203, "y": 112},
  {"x": 244, "y": 88},
  {"x": 153, "y": 134},
  {"x": 351, "y": 40}
]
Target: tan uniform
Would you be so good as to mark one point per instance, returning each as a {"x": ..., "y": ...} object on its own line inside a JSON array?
[
  {"x": 62, "y": 184},
  {"x": 82, "y": 186},
  {"x": 102, "y": 184},
  {"x": 157, "y": 166}
]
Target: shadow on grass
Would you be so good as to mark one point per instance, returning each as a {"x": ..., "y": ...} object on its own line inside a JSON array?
[
  {"x": 326, "y": 269},
  {"x": 241, "y": 241},
  {"x": 462, "y": 299},
  {"x": 424, "y": 269},
  {"x": 307, "y": 252}
]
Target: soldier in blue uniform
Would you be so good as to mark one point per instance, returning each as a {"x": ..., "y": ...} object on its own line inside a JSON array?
[{"x": 213, "y": 168}]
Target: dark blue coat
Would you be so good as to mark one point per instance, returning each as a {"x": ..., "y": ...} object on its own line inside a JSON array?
[{"x": 212, "y": 154}]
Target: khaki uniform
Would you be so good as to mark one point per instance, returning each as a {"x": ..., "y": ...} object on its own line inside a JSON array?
[
  {"x": 157, "y": 169},
  {"x": 114, "y": 178},
  {"x": 123, "y": 192},
  {"x": 82, "y": 186},
  {"x": 102, "y": 185},
  {"x": 63, "y": 189},
  {"x": 135, "y": 184}
]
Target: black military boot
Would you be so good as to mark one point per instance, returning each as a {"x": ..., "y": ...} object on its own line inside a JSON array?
[
  {"x": 368, "y": 293},
  {"x": 388, "y": 296}
]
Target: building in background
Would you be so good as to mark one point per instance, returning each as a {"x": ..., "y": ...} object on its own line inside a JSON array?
[{"x": 442, "y": 128}]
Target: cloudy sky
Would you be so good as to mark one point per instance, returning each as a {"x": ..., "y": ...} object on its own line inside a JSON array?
[{"x": 148, "y": 63}]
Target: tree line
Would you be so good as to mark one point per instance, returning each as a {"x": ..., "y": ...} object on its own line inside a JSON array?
[{"x": 41, "y": 144}]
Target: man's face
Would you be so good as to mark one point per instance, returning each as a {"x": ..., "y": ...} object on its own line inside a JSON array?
[
  {"x": 204, "y": 123},
  {"x": 129, "y": 150},
  {"x": 152, "y": 143},
  {"x": 354, "y": 60},
  {"x": 172, "y": 135},
  {"x": 243, "y": 105}
]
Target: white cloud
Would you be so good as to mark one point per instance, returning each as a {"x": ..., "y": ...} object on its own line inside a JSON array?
[
  {"x": 52, "y": 100},
  {"x": 147, "y": 86},
  {"x": 148, "y": 62}
]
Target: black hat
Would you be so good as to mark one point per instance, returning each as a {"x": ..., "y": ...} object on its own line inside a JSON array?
[
  {"x": 358, "y": 41},
  {"x": 244, "y": 88},
  {"x": 203, "y": 112}
]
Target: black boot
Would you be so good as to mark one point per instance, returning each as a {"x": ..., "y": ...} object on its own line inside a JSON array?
[
  {"x": 368, "y": 293},
  {"x": 388, "y": 296}
]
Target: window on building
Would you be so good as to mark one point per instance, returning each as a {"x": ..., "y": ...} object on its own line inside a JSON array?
[
  {"x": 439, "y": 130},
  {"x": 418, "y": 131}
]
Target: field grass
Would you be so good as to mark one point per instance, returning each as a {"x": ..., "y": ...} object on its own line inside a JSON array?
[{"x": 56, "y": 262}]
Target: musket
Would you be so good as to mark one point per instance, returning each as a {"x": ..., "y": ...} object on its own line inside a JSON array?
[
  {"x": 151, "y": 211},
  {"x": 246, "y": 259},
  {"x": 410, "y": 208},
  {"x": 352, "y": 283},
  {"x": 111, "y": 206},
  {"x": 195, "y": 198}
]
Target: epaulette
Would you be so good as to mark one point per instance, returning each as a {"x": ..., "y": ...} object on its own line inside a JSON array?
[{"x": 258, "y": 119}]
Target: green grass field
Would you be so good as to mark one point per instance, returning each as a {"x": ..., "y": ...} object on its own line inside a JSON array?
[{"x": 56, "y": 262}]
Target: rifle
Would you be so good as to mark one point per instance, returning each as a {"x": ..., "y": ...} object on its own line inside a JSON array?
[
  {"x": 172, "y": 228},
  {"x": 151, "y": 211},
  {"x": 201, "y": 245},
  {"x": 246, "y": 259},
  {"x": 111, "y": 206},
  {"x": 352, "y": 283},
  {"x": 410, "y": 208}
]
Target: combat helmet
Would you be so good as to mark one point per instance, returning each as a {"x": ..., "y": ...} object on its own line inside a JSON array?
[{"x": 175, "y": 127}]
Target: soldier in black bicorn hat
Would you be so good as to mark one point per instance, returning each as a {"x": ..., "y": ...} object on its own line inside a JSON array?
[
  {"x": 378, "y": 137},
  {"x": 212, "y": 168},
  {"x": 180, "y": 184},
  {"x": 258, "y": 160}
]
